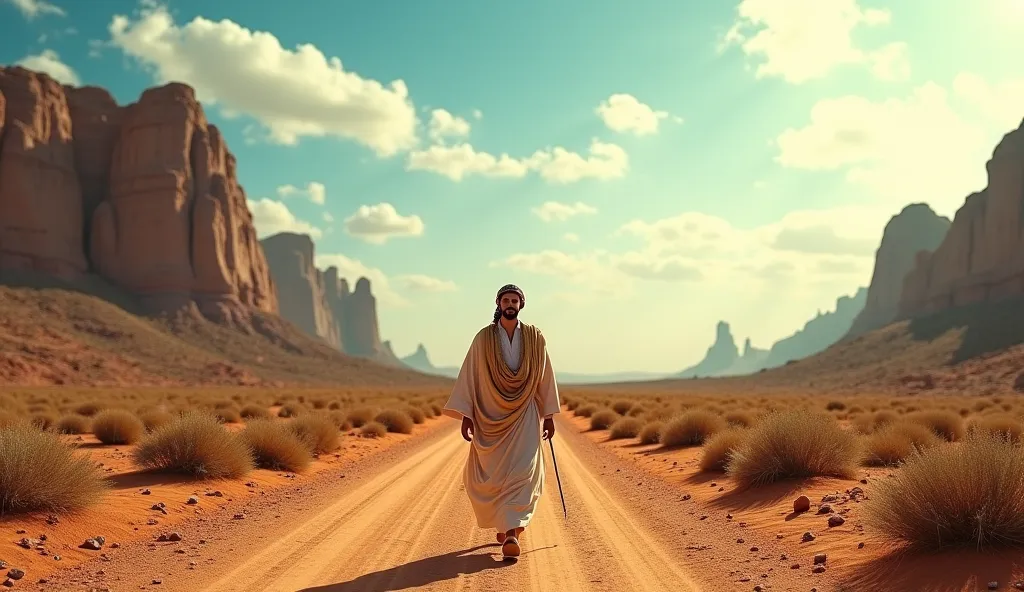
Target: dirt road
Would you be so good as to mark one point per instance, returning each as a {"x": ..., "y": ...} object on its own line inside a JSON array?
[{"x": 411, "y": 528}]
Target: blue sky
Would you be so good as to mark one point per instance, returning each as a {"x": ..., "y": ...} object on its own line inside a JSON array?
[{"x": 667, "y": 165}]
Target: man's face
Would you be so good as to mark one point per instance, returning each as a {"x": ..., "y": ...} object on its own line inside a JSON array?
[{"x": 509, "y": 304}]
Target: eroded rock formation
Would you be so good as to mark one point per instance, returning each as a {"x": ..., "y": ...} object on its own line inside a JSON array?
[
  {"x": 982, "y": 255},
  {"x": 145, "y": 195},
  {"x": 720, "y": 356},
  {"x": 917, "y": 228}
]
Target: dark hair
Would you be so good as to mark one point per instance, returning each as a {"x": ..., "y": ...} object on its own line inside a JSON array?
[{"x": 497, "y": 315}]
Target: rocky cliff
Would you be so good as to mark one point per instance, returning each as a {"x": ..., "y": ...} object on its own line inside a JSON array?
[
  {"x": 144, "y": 195},
  {"x": 819, "y": 333},
  {"x": 917, "y": 228},
  {"x": 720, "y": 356},
  {"x": 982, "y": 255},
  {"x": 320, "y": 303},
  {"x": 751, "y": 360}
]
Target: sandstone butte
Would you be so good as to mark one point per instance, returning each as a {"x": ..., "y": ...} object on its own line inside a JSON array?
[
  {"x": 320, "y": 303},
  {"x": 143, "y": 195},
  {"x": 915, "y": 229},
  {"x": 981, "y": 257}
]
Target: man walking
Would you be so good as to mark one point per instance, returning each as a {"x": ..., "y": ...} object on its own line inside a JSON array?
[{"x": 506, "y": 385}]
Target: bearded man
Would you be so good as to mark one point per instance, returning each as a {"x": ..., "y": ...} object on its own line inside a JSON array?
[{"x": 506, "y": 385}]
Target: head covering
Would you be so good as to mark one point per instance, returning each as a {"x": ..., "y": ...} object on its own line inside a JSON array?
[
  {"x": 505, "y": 290},
  {"x": 512, "y": 288}
]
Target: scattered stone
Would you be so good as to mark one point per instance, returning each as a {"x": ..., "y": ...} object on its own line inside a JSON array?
[
  {"x": 778, "y": 535},
  {"x": 801, "y": 504},
  {"x": 9, "y": 583},
  {"x": 91, "y": 544},
  {"x": 795, "y": 566},
  {"x": 825, "y": 509},
  {"x": 146, "y": 492},
  {"x": 745, "y": 579},
  {"x": 759, "y": 588},
  {"x": 686, "y": 497},
  {"x": 239, "y": 517},
  {"x": 739, "y": 541},
  {"x": 860, "y": 545},
  {"x": 808, "y": 537},
  {"x": 51, "y": 520},
  {"x": 174, "y": 537},
  {"x": 818, "y": 569},
  {"x": 863, "y": 481},
  {"x": 216, "y": 493},
  {"x": 192, "y": 500},
  {"x": 16, "y": 574},
  {"x": 20, "y": 531},
  {"x": 158, "y": 582},
  {"x": 115, "y": 545},
  {"x": 835, "y": 520},
  {"x": 754, "y": 549},
  {"x": 704, "y": 517},
  {"x": 820, "y": 558},
  {"x": 728, "y": 516}
]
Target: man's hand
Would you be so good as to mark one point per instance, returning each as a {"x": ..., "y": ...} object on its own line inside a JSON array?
[
  {"x": 467, "y": 429},
  {"x": 549, "y": 428}
]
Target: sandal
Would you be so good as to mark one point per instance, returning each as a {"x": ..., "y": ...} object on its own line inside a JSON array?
[{"x": 510, "y": 548}]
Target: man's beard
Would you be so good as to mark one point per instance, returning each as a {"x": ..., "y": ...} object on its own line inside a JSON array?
[{"x": 509, "y": 313}]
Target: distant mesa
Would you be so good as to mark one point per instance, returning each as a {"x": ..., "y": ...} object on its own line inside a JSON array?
[
  {"x": 981, "y": 258},
  {"x": 143, "y": 195},
  {"x": 916, "y": 229},
  {"x": 320, "y": 303}
]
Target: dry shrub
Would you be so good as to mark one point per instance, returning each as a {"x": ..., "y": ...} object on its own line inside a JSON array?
[
  {"x": 39, "y": 472},
  {"x": 117, "y": 426},
  {"x": 227, "y": 415},
  {"x": 651, "y": 432},
  {"x": 318, "y": 432},
  {"x": 637, "y": 411},
  {"x": 340, "y": 419},
  {"x": 895, "y": 442},
  {"x": 867, "y": 424},
  {"x": 290, "y": 410},
  {"x": 8, "y": 419},
  {"x": 1006, "y": 427},
  {"x": 275, "y": 447},
  {"x": 44, "y": 420},
  {"x": 373, "y": 429},
  {"x": 947, "y": 425},
  {"x": 970, "y": 494},
  {"x": 395, "y": 420},
  {"x": 585, "y": 410},
  {"x": 623, "y": 406},
  {"x": 626, "y": 427},
  {"x": 691, "y": 429},
  {"x": 88, "y": 408},
  {"x": 571, "y": 404},
  {"x": 360, "y": 417},
  {"x": 416, "y": 414},
  {"x": 742, "y": 419},
  {"x": 603, "y": 419},
  {"x": 334, "y": 406},
  {"x": 718, "y": 450},
  {"x": 436, "y": 409},
  {"x": 154, "y": 419},
  {"x": 195, "y": 444},
  {"x": 253, "y": 411},
  {"x": 794, "y": 444},
  {"x": 72, "y": 423},
  {"x": 835, "y": 406}
]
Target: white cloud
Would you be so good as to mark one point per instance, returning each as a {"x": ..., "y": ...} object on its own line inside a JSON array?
[
  {"x": 49, "y": 61},
  {"x": 328, "y": 217},
  {"x": 558, "y": 165},
  {"x": 31, "y": 9},
  {"x": 589, "y": 270},
  {"x": 426, "y": 283},
  {"x": 801, "y": 40},
  {"x": 571, "y": 237},
  {"x": 478, "y": 114},
  {"x": 624, "y": 113},
  {"x": 316, "y": 192},
  {"x": 551, "y": 211},
  {"x": 353, "y": 269},
  {"x": 271, "y": 217},
  {"x": 891, "y": 62},
  {"x": 294, "y": 93},
  {"x": 920, "y": 145},
  {"x": 376, "y": 224},
  {"x": 445, "y": 125}
]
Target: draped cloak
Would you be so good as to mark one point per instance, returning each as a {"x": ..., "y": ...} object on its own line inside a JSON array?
[{"x": 506, "y": 399}]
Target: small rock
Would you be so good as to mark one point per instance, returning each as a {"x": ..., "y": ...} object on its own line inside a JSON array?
[
  {"x": 91, "y": 544},
  {"x": 754, "y": 549},
  {"x": 863, "y": 481},
  {"x": 158, "y": 582},
  {"x": 825, "y": 509},
  {"x": 216, "y": 493},
  {"x": 835, "y": 520},
  {"x": 860, "y": 545},
  {"x": 174, "y": 537},
  {"x": 9, "y": 583},
  {"x": 20, "y": 531},
  {"x": 146, "y": 492},
  {"x": 808, "y": 537},
  {"x": 686, "y": 497},
  {"x": 818, "y": 569},
  {"x": 820, "y": 558},
  {"x": 239, "y": 516},
  {"x": 739, "y": 541},
  {"x": 759, "y": 588},
  {"x": 16, "y": 574},
  {"x": 801, "y": 504},
  {"x": 795, "y": 566},
  {"x": 192, "y": 500}
]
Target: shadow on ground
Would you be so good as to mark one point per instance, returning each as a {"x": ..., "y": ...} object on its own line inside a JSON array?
[
  {"x": 422, "y": 572},
  {"x": 987, "y": 327},
  {"x": 953, "y": 571},
  {"x": 140, "y": 479}
]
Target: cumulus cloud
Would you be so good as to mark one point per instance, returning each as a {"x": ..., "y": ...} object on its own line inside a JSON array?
[
  {"x": 293, "y": 93},
  {"x": 923, "y": 144},
  {"x": 801, "y": 40},
  {"x": 444, "y": 125},
  {"x": 315, "y": 192},
  {"x": 49, "y": 61},
  {"x": 378, "y": 223},
  {"x": 271, "y": 217},
  {"x": 557, "y": 165},
  {"x": 31, "y": 9},
  {"x": 551, "y": 211},
  {"x": 624, "y": 113},
  {"x": 426, "y": 283}
]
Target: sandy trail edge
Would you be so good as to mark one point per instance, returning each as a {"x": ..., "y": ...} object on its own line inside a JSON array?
[{"x": 407, "y": 525}]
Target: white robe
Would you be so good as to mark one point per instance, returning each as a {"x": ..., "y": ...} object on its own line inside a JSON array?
[{"x": 505, "y": 484}]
